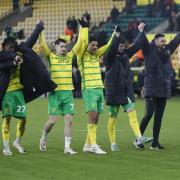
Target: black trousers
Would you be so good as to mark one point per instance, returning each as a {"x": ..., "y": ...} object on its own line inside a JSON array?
[{"x": 156, "y": 107}]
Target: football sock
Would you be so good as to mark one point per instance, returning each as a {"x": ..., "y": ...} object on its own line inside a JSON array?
[
  {"x": 5, "y": 130},
  {"x": 20, "y": 130},
  {"x": 67, "y": 141},
  {"x": 44, "y": 135},
  {"x": 88, "y": 141},
  {"x": 134, "y": 123},
  {"x": 92, "y": 128},
  {"x": 111, "y": 129}
]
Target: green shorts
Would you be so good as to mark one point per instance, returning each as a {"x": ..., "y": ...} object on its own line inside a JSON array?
[
  {"x": 14, "y": 104},
  {"x": 60, "y": 102},
  {"x": 113, "y": 110},
  {"x": 94, "y": 100}
]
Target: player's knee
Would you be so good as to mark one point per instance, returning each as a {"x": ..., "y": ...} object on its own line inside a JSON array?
[
  {"x": 113, "y": 116},
  {"x": 52, "y": 120},
  {"x": 92, "y": 116},
  {"x": 68, "y": 122},
  {"x": 7, "y": 119},
  {"x": 130, "y": 110}
]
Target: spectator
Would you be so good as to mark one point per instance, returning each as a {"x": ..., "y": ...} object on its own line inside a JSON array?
[
  {"x": 114, "y": 13},
  {"x": 28, "y": 2},
  {"x": 132, "y": 30},
  {"x": 150, "y": 9},
  {"x": 15, "y": 4},
  {"x": 68, "y": 22},
  {"x": 174, "y": 7},
  {"x": 158, "y": 7},
  {"x": 172, "y": 21},
  {"x": 68, "y": 32},
  {"x": 102, "y": 37},
  {"x": 177, "y": 22},
  {"x": 74, "y": 24},
  {"x": 167, "y": 11},
  {"x": 129, "y": 6}
]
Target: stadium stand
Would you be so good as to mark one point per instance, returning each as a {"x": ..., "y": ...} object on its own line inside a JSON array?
[
  {"x": 54, "y": 14},
  {"x": 138, "y": 14},
  {"x": 5, "y": 7}
]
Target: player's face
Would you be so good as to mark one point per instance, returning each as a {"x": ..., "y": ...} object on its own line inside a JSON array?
[
  {"x": 121, "y": 48},
  {"x": 61, "y": 48},
  {"x": 160, "y": 42},
  {"x": 9, "y": 48},
  {"x": 93, "y": 46}
]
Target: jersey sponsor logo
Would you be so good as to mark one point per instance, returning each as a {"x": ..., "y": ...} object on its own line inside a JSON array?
[{"x": 64, "y": 61}]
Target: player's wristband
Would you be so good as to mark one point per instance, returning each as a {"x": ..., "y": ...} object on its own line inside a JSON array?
[{"x": 19, "y": 53}]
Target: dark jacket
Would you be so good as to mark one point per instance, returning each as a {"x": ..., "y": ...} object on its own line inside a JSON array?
[
  {"x": 33, "y": 73},
  {"x": 118, "y": 79},
  {"x": 6, "y": 65},
  {"x": 158, "y": 68}
]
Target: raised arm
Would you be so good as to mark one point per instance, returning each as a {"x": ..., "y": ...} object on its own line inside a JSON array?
[
  {"x": 82, "y": 42},
  {"x": 174, "y": 43},
  {"x": 43, "y": 44},
  {"x": 138, "y": 42},
  {"x": 112, "y": 51},
  {"x": 102, "y": 50},
  {"x": 145, "y": 44},
  {"x": 35, "y": 34}
]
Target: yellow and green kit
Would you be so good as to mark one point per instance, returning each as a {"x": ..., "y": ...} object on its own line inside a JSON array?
[
  {"x": 92, "y": 85},
  {"x": 13, "y": 102},
  {"x": 61, "y": 100}
]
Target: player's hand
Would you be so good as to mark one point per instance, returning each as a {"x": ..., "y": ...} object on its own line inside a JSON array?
[
  {"x": 40, "y": 22},
  {"x": 83, "y": 22},
  {"x": 141, "y": 27},
  {"x": 117, "y": 30},
  {"x": 18, "y": 60}
]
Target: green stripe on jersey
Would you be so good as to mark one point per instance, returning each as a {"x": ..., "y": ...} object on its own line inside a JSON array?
[
  {"x": 61, "y": 77},
  {"x": 93, "y": 80},
  {"x": 62, "y": 71},
  {"x": 91, "y": 73}
]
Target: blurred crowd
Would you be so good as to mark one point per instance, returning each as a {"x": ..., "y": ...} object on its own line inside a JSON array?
[
  {"x": 167, "y": 9},
  {"x": 159, "y": 8},
  {"x": 18, "y": 3}
]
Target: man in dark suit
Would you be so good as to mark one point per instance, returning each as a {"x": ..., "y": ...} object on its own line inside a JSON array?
[{"x": 157, "y": 82}]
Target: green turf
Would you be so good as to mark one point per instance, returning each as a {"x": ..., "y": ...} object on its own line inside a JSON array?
[{"x": 128, "y": 164}]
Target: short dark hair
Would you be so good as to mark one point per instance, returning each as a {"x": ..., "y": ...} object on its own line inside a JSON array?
[
  {"x": 157, "y": 36},
  {"x": 92, "y": 38},
  {"x": 9, "y": 41},
  {"x": 123, "y": 40},
  {"x": 59, "y": 40}
]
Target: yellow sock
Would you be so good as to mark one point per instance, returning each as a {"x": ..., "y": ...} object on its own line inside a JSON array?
[
  {"x": 88, "y": 141},
  {"x": 20, "y": 128},
  {"x": 111, "y": 129},
  {"x": 134, "y": 123},
  {"x": 5, "y": 129},
  {"x": 92, "y": 133}
]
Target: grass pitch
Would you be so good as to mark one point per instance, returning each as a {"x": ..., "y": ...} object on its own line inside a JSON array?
[{"x": 127, "y": 164}]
